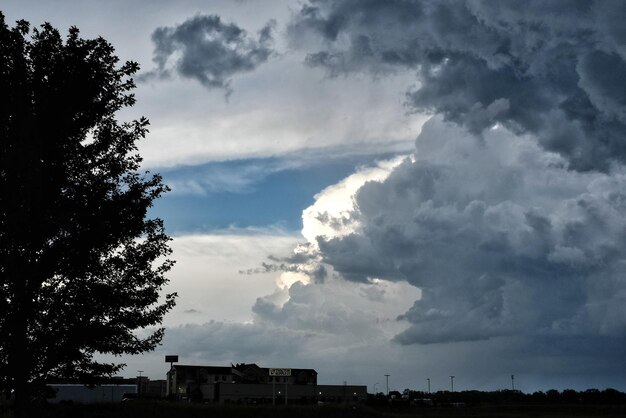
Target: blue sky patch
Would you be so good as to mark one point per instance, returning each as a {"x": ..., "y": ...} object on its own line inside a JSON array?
[{"x": 247, "y": 193}]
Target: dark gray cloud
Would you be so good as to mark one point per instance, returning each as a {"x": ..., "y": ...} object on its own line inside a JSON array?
[
  {"x": 192, "y": 311},
  {"x": 270, "y": 268},
  {"x": 311, "y": 309},
  {"x": 316, "y": 331},
  {"x": 318, "y": 274},
  {"x": 501, "y": 237},
  {"x": 304, "y": 261},
  {"x": 555, "y": 69},
  {"x": 220, "y": 341},
  {"x": 206, "y": 49}
]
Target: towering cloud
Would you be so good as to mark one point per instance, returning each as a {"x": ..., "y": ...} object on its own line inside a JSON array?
[
  {"x": 500, "y": 236},
  {"x": 555, "y": 69},
  {"x": 510, "y": 217},
  {"x": 208, "y": 50}
]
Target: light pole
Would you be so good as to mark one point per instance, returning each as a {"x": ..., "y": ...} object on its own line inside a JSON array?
[
  {"x": 387, "y": 376},
  {"x": 139, "y": 382},
  {"x": 512, "y": 382},
  {"x": 375, "y": 384},
  {"x": 428, "y": 380},
  {"x": 451, "y": 383}
]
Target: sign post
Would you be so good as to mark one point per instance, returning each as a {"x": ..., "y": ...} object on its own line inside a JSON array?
[{"x": 171, "y": 359}]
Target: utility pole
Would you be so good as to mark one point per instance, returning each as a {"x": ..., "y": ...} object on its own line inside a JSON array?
[
  {"x": 451, "y": 383},
  {"x": 428, "y": 380},
  {"x": 139, "y": 382},
  {"x": 387, "y": 376},
  {"x": 512, "y": 382},
  {"x": 375, "y": 384}
]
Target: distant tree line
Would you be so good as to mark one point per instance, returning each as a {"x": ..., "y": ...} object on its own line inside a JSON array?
[{"x": 503, "y": 397}]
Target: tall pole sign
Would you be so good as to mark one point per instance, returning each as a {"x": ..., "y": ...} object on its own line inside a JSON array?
[{"x": 171, "y": 359}]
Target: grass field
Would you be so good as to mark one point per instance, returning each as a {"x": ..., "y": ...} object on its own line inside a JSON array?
[{"x": 142, "y": 409}]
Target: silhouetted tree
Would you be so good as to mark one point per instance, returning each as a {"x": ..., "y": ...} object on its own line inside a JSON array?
[
  {"x": 81, "y": 265},
  {"x": 553, "y": 395}
]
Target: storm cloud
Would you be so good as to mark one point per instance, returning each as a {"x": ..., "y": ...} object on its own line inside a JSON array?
[
  {"x": 501, "y": 237},
  {"x": 206, "y": 49},
  {"x": 555, "y": 69}
]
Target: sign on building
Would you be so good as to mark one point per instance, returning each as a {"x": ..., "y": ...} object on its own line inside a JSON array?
[{"x": 280, "y": 372}]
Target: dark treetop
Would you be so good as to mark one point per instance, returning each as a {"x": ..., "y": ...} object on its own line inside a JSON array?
[{"x": 81, "y": 266}]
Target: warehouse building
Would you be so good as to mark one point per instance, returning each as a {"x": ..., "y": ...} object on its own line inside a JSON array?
[
  {"x": 103, "y": 391},
  {"x": 249, "y": 383}
]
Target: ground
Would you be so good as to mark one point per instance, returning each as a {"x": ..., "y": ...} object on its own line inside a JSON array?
[{"x": 140, "y": 409}]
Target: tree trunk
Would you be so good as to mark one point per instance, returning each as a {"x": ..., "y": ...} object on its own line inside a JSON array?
[
  {"x": 19, "y": 363},
  {"x": 19, "y": 369}
]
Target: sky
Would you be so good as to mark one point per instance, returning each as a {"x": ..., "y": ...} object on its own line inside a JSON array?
[{"x": 403, "y": 187}]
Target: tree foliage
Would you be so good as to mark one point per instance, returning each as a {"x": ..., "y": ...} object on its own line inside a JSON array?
[{"x": 81, "y": 264}]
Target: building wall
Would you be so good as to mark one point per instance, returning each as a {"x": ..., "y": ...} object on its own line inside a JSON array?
[
  {"x": 208, "y": 391},
  {"x": 78, "y": 393},
  {"x": 156, "y": 389},
  {"x": 346, "y": 392},
  {"x": 250, "y": 382},
  {"x": 189, "y": 381},
  {"x": 247, "y": 392}
]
